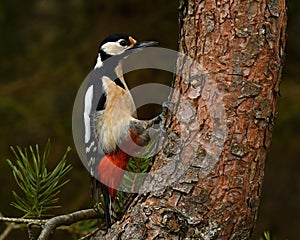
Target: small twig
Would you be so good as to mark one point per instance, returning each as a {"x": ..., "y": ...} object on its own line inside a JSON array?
[
  {"x": 7, "y": 230},
  {"x": 30, "y": 232},
  {"x": 49, "y": 225},
  {"x": 13, "y": 223},
  {"x": 67, "y": 219},
  {"x": 22, "y": 220},
  {"x": 9, "y": 227}
]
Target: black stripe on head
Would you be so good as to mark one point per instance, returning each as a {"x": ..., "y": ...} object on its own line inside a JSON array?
[
  {"x": 115, "y": 37},
  {"x": 103, "y": 55}
]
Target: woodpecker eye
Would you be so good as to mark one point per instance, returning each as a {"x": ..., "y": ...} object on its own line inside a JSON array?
[{"x": 123, "y": 42}]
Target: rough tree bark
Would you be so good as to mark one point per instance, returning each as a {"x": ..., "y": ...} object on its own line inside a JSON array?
[{"x": 239, "y": 46}]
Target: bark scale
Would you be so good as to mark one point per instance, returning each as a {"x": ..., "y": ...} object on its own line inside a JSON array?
[{"x": 220, "y": 129}]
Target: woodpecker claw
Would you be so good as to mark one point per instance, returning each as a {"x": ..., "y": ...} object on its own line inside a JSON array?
[{"x": 167, "y": 107}]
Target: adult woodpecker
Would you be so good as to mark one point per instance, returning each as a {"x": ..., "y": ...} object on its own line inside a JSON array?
[{"x": 111, "y": 129}]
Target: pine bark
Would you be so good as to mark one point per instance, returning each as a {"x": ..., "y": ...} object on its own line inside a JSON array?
[{"x": 239, "y": 46}]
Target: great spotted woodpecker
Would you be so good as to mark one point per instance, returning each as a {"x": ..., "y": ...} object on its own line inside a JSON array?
[{"x": 111, "y": 129}]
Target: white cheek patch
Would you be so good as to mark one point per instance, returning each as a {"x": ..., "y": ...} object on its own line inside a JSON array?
[
  {"x": 88, "y": 99},
  {"x": 113, "y": 48}
]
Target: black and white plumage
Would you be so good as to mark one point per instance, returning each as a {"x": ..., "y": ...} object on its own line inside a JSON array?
[{"x": 110, "y": 126}]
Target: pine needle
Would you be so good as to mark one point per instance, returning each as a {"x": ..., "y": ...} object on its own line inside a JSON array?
[{"x": 39, "y": 187}]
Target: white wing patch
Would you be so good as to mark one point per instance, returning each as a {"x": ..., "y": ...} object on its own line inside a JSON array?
[{"x": 88, "y": 99}]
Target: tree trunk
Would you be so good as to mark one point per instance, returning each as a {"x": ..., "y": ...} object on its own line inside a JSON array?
[{"x": 220, "y": 129}]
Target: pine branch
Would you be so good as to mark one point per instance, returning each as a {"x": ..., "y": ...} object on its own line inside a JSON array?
[
  {"x": 66, "y": 219},
  {"x": 14, "y": 223},
  {"x": 40, "y": 187},
  {"x": 49, "y": 225},
  {"x": 22, "y": 220}
]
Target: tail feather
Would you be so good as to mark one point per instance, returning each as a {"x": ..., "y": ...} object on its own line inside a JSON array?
[
  {"x": 110, "y": 171},
  {"x": 95, "y": 186},
  {"x": 107, "y": 204},
  {"x": 109, "y": 212}
]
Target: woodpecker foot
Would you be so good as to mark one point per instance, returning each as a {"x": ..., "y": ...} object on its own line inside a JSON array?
[{"x": 167, "y": 107}]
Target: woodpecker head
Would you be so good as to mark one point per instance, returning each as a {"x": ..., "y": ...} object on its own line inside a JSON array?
[{"x": 117, "y": 44}]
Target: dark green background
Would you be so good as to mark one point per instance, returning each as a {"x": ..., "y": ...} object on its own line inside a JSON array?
[{"x": 48, "y": 47}]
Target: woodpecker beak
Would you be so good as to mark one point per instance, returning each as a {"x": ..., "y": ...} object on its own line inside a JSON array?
[{"x": 145, "y": 44}]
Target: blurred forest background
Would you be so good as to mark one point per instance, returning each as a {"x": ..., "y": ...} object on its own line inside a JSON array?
[{"x": 48, "y": 47}]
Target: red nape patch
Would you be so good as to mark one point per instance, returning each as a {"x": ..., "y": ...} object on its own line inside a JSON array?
[{"x": 111, "y": 170}]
